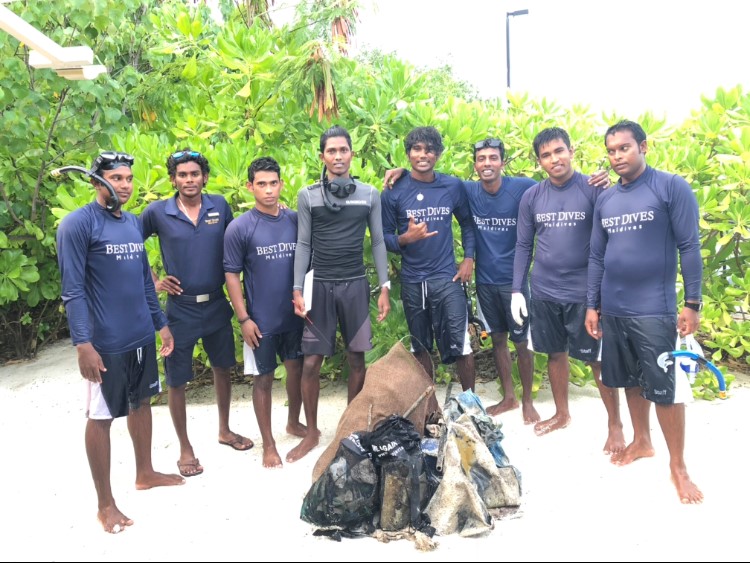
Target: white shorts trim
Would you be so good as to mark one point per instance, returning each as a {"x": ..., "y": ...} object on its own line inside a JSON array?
[
  {"x": 251, "y": 368},
  {"x": 96, "y": 407},
  {"x": 467, "y": 340}
]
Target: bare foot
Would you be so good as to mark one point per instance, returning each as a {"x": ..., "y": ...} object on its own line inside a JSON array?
[
  {"x": 615, "y": 441},
  {"x": 271, "y": 457},
  {"x": 154, "y": 479},
  {"x": 633, "y": 452},
  {"x": 507, "y": 404},
  {"x": 530, "y": 416},
  {"x": 557, "y": 422},
  {"x": 304, "y": 447},
  {"x": 113, "y": 521},
  {"x": 296, "y": 429},
  {"x": 688, "y": 491}
]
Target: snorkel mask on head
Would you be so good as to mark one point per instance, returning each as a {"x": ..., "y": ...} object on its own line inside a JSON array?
[{"x": 108, "y": 160}]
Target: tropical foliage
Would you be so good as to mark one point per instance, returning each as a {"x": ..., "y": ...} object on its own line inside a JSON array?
[{"x": 239, "y": 87}]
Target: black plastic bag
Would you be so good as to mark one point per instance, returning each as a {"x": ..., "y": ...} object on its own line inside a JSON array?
[
  {"x": 346, "y": 495},
  {"x": 405, "y": 487},
  {"x": 393, "y": 438}
]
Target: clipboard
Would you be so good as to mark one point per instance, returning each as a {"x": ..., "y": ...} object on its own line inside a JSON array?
[{"x": 307, "y": 290}]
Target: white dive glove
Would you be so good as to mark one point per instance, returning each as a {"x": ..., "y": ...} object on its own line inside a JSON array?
[{"x": 518, "y": 307}]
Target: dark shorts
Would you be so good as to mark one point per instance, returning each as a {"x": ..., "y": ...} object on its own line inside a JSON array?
[
  {"x": 262, "y": 360},
  {"x": 210, "y": 322},
  {"x": 493, "y": 308},
  {"x": 436, "y": 310},
  {"x": 630, "y": 355},
  {"x": 338, "y": 303},
  {"x": 131, "y": 377},
  {"x": 561, "y": 327}
]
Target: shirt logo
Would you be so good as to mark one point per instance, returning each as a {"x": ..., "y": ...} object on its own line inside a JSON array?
[
  {"x": 127, "y": 251},
  {"x": 494, "y": 223},
  {"x": 435, "y": 213},
  {"x": 561, "y": 218},
  {"x": 276, "y": 251},
  {"x": 627, "y": 221}
]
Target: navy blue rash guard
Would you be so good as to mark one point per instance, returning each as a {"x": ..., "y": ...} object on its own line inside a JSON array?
[
  {"x": 560, "y": 219},
  {"x": 261, "y": 247},
  {"x": 638, "y": 230},
  {"x": 435, "y": 203},
  {"x": 495, "y": 218},
  {"x": 191, "y": 253},
  {"x": 107, "y": 287}
]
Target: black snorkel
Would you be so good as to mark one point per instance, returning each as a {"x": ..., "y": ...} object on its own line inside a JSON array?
[
  {"x": 473, "y": 319},
  {"x": 112, "y": 203}
]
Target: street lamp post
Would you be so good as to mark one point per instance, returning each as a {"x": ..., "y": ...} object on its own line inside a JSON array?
[{"x": 509, "y": 15}]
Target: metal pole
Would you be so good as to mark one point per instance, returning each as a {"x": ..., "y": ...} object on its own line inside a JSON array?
[
  {"x": 507, "y": 48},
  {"x": 508, "y": 15}
]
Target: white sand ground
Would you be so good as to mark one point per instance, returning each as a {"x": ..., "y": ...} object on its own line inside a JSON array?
[{"x": 577, "y": 506}]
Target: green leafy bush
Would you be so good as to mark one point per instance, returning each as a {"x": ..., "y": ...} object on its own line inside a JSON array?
[{"x": 237, "y": 90}]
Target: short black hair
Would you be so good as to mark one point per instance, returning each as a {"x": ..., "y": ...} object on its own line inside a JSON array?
[
  {"x": 427, "y": 135},
  {"x": 186, "y": 155},
  {"x": 490, "y": 143},
  {"x": 262, "y": 164},
  {"x": 548, "y": 135},
  {"x": 334, "y": 131},
  {"x": 626, "y": 125}
]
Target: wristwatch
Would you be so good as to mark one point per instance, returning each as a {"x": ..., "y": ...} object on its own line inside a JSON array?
[{"x": 694, "y": 306}]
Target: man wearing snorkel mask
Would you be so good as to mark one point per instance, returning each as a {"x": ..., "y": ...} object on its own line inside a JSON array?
[
  {"x": 332, "y": 217},
  {"x": 113, "y": 313}
]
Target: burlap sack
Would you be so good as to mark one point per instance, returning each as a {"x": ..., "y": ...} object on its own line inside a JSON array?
[{"x": 392, "y": 385}]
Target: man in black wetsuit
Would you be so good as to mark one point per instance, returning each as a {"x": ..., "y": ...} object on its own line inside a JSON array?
[{"x": 332, "y": 217}]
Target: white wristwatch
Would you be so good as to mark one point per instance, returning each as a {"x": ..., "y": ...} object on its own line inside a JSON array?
[{"x": 386, "y": 285}]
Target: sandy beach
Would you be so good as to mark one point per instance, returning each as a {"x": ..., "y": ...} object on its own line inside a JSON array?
[{"x": 576, "y": 505}]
